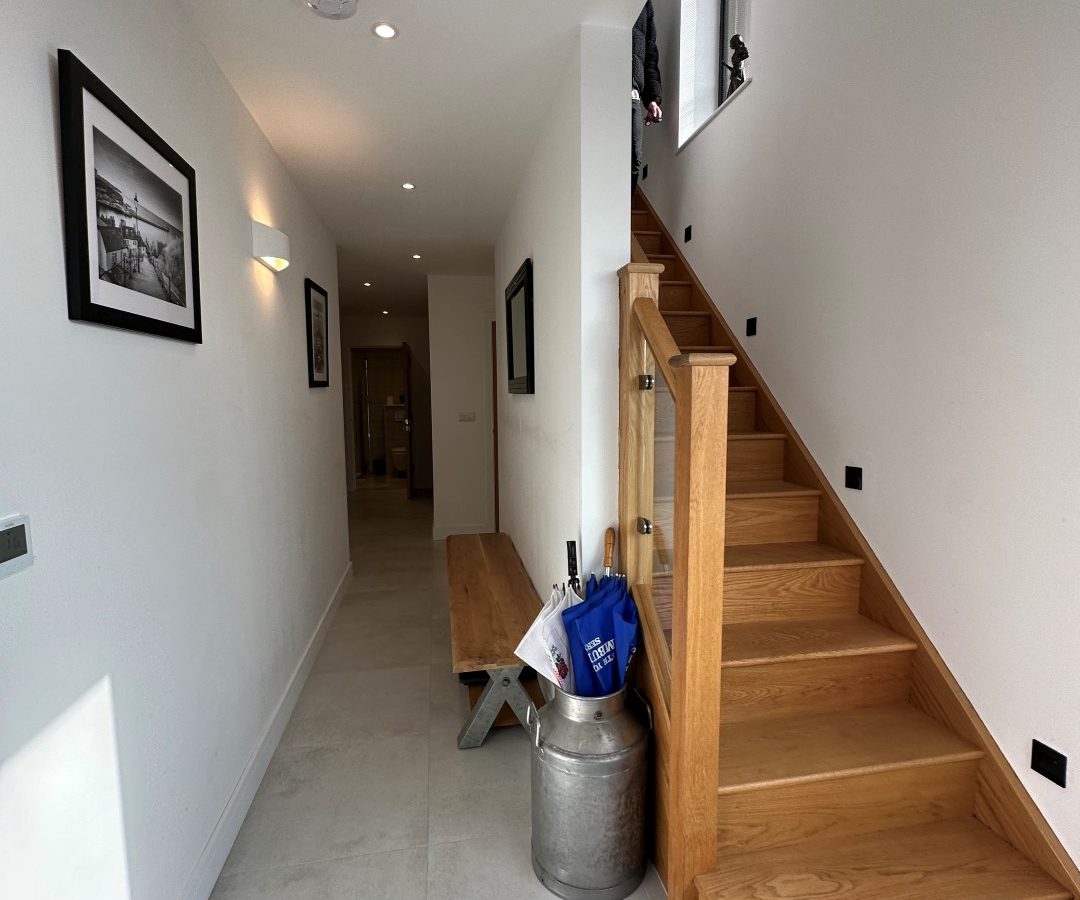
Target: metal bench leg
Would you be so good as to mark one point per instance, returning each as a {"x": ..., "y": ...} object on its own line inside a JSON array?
[{"x": 503, "y": 687}]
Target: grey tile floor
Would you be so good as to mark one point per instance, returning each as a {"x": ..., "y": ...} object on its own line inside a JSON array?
[{"x": 367, "y": 795}]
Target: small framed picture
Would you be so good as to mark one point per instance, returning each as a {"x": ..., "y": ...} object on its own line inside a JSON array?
[
  {"x": 317, "y": 303},
  {"x": 520, "y": 364},
  {"x": 130, "y": 227}
]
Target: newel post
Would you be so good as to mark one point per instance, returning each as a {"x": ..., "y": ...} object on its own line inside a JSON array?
[
  {"x": 701, "y": 412},
  {"x": 636, "y": 413}
]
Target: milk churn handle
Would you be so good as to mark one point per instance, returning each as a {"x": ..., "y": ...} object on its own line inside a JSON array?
[
  {"x": 645, "y": 704},
  {"x": 530, "y": 715}
]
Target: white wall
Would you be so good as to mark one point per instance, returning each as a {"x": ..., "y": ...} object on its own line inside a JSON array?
[
  {"x": 904, "y": 225},
  {"x": 391, "y": 331},
  {"x": 460, "y": 313},
  {"x": 558, "y": 448},
  {"x": 186, "y": 501}
]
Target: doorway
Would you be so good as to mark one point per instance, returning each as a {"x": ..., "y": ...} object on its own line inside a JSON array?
[{"x": 382, "y": 419}]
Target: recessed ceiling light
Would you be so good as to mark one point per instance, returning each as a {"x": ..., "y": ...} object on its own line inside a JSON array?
[
  {"x": 333, "y": 9},
  {"x": 416, "y": 256},
  {"x": 367, "y": 284},
  {"x": 408, "y": 185},
  {"x": 384, "y": 30},
  {"x": 386, "y": 312}
]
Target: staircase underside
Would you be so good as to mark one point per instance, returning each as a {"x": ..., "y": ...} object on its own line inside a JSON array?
[{"x": 851, "y": 765}]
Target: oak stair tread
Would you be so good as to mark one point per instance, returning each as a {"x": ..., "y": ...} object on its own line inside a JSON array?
[
  {"x": 759, "y": 643},
  {"x": 647, "y": 231},
  {"x": 746, "y": 490},
  {"x": 686, "y": 313},
  {"x": 958, "y": 859},
  {"x": 667, "y": 437},
  {"x": 795, "y": 555},
  {"x": 821, "y": 746},
  {"x": 705, "y": 348}
]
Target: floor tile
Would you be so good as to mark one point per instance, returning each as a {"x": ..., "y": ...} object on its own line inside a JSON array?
[
  {"x": 360, "y": 648},
  {"x": 449, "y": 701},
  {"x": 481, "y": 791},
  {"x": 400, "y": 874},
  {"x": 339, "y": 707},
  {"x": 318, "y": 803},
  {"x": 490, "y": 868}
]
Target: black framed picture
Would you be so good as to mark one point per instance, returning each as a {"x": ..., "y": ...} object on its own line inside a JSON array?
[
  {"x": 131, "y": 237},
  {"x": 520, "y": 369},
  {"x": 317, "y": 304}
]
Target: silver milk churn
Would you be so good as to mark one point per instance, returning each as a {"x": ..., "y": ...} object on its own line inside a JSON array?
[{"x": 588, "y": 796}]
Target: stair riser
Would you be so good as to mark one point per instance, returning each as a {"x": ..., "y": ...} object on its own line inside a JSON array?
[
  {"x": 673, "y": 270},
  {"x": 756, "y": 459},
  {"x": 786, "y": 814},
  {"x": 640, "y": 220},
  {"x": 692, "y": 331},
  {"x": 675, "y": 297},
  {"x": 804, "y": 593},
  {"x": 751, "y": 693},
  {"x": 767, "y": 520},
  {"x": 742, "y": 407},
  {"x": 650, "y": 243}
]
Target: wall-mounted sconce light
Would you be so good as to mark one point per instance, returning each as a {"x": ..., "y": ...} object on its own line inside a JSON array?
[{"x": 269, "y": 246}]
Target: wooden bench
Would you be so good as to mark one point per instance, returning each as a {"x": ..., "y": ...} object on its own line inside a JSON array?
[{"x": 492, "y": 605}]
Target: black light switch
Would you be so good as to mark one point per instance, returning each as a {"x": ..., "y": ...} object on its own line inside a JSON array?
[
  {"x": 751, "y": 326},
  {"x": 1048, "y": 762},
  {"x": 686, "y": 234},
  {"x": 644, "y": 171},
  {"x": 853, "y": 477}
]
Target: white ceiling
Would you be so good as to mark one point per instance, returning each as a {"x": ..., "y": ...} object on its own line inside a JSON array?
[{"x": 453, "y": 104}]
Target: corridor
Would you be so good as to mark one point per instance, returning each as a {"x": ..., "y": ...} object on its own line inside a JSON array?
[{"x": 367, "y": 795}]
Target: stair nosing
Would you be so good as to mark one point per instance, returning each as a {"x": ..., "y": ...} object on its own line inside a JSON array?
[
  {"x": 849, "y": 560},
  {"x": 971, "y": 755},
  {"x": 790, "y": 490},
  {"x": 756, "y": 436}
]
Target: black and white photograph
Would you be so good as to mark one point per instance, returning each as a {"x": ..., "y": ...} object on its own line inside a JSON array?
[
  {"x": 140, "y": 241},
  {"x": 317, "y": 307},
  {"x": 129, "y": 205}
]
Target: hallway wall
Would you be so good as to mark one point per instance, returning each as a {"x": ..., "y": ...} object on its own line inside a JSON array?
[
  {"x": 559, "y": 447},
  {"x": 393, "y": 331},
  {"x": 187, "y": 503},
  {"x": 460, "y": 312},
  {"x": 897, "y": 203}
]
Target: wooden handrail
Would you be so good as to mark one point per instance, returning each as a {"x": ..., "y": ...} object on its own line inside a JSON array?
[
  {"x": 682, "y": 680},
  {"x": 658, "y": 337}
]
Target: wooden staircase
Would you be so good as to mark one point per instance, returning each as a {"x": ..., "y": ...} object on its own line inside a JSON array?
[{"x": 850, "y": 765}]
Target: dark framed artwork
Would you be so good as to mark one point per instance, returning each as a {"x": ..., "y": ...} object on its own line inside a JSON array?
[
  {"x": 520, "y": 370},
  {"x": 317, "y": 306},
  {"x": 130, "y": 229}
]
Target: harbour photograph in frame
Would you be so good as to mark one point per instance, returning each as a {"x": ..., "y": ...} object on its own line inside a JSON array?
[{"x": 129, "y": 210}]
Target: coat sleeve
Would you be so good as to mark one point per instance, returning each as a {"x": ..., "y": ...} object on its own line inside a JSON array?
[{"x": 653, "y": 91}]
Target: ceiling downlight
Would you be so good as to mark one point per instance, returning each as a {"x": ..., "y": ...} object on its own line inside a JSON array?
[{"x": 384, "y": 30}]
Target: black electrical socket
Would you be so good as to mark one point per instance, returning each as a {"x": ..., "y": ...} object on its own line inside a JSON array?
[
  {"x": 751, "y": 326},
  {"x": 1048, "y": 762},
  {"x": 686, "y": 234},
  {"x": 853, "y": 477},
  {"x": 645, "y": 171}
]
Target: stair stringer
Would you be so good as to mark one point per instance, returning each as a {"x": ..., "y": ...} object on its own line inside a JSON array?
[{"x": 1002, "y": 803}]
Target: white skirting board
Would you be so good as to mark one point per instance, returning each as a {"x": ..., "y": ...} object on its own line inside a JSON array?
[
  {"x": 441, "y": 532},
  {"x": 205, "y": 874}
]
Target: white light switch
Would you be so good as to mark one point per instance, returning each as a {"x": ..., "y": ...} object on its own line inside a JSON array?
[{"x": 466, "y": 417}]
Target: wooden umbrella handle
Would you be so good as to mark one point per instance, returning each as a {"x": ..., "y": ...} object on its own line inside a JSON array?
[{"x": 609, "y": 548}]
